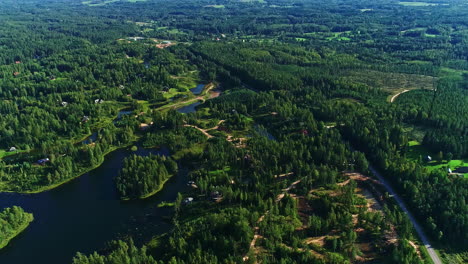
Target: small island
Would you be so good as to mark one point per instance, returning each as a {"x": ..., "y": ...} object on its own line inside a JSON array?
[
  {"x": 142, "y": 177},
  {"x": 13, "y": 221}
]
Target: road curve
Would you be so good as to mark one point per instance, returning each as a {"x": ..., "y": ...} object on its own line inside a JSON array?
[
  {"x": 398, "y": 94},
  {"x": 435, "y": 258}
]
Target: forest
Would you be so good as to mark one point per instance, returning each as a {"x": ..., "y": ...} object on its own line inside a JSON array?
[
  {"x": 13, "y": 220},
  {"x": 143, "y": 176},
  {"x": 300, "y": 99}
]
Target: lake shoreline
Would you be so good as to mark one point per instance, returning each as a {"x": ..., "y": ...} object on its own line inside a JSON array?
[{"x": 22, "y": 228}]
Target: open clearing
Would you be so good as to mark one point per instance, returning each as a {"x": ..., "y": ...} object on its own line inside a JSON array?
[
  {"x": 394, "y": 83},
  {"x": 417, "y": 151}
]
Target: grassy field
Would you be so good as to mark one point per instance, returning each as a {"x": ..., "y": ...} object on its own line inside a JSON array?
[
  {"x": 417, "y": 151},
  {"x": 6, "y": 153},
  {"x": 392, "y": 82}
]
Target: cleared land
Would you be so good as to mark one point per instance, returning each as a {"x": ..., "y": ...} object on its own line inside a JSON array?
[
  {"x": 417, "y": 152},
  {"x": 393, "y": 83}
]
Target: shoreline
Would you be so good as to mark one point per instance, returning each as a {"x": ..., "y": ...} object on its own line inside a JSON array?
[
  {"x": 79, "y": 174},
  {"x": 151, "y": 193},
  {"x": 19, "y": 231},
  {"x": 205, "y": 96}
]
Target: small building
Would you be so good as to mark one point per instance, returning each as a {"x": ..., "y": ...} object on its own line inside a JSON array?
[
  {"x": 85, "y": 119},
  {"x": 121, "y": 87},
  {"x": 16, "y": 74},
  {"x": 43, "y": 161},
  {"x": 188, "y": 200},
  {"x": 304, "y": 132},
  {"x": 17, "y": 62},
  {"x": 143, "y": 126},
  {"x": 428, "y": 158},
  {"x": 98, "y": 101},
  {"x": 216, "y": 196},
  {"x": 449, "y": 170},
  {"x": 12, "y": 149},
  {"x": 166, "y": 42},
  {"x": 192, "y": 184},
  {"x": 64, "y": 104}
]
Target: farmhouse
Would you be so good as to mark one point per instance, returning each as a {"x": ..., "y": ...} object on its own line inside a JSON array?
[
  {"x": 188, "y": 200},
  {"x": 43, "y": 161}
]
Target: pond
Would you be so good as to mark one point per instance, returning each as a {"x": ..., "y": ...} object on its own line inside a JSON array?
[
  {"x": 197, "y": 90},
  {"x": 90, "y": 139},
  {"x": 85, "y": 213},
  {"x": 191, "y": 108}
]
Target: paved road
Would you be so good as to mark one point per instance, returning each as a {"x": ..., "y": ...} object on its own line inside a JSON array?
[{"x": 435, "y": 258}]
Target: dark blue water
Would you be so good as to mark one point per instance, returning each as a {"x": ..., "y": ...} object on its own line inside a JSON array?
[
  {"x": 122, "y": 113},
  {"x": 189, "y": 108},
  {"x": 85, "y": 213},
  {"x": 90, "y": 139},
  {"x": 197, "y": 90}
]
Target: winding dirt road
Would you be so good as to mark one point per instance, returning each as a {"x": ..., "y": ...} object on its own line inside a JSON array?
[{"x": 398, "y": 94}]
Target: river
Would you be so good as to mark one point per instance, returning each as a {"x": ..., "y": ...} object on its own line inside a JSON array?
[{"x": 85, "y": 213}]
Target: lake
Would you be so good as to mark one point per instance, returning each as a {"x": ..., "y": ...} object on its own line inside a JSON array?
[{"x": 85, "y": 213}]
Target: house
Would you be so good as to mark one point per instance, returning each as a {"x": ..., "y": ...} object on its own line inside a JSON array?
[
  {"x": 17, "y": 62},
  {"x": 188, "y": 200},
  {"x": 64, "y": 104},
  {"x": 12, "y": 149},
  {"x": 43, "y": 161},
  {"x": 216, "y": 196},
  {"x": 85, "y": 119},
  {"x": 16, "y": 73},
  {"x": 192, "y": 184},
  {"x": 121, "y": 87},
  {"x": 98, "y": 101}
]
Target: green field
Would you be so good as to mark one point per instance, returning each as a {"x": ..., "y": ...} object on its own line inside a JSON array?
[
  {"x": 418, "y": 151},
  {"x": 6, "y": 153}
]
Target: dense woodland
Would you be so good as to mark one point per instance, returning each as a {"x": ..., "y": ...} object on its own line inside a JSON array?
[
  {"x": 310, "y": 93},
  {"x": 13, "y": 220},
  {"x": 141, "y": 176}
]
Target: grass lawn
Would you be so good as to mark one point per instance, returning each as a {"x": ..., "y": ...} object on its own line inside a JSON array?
[
  {"x": 195, "y": 149},
  {"x": 6, "y": 153},
  {"x": 416, "y": 150}
]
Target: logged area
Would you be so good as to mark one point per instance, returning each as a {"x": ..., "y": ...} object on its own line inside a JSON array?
[{"x": 234, "y": 131}]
